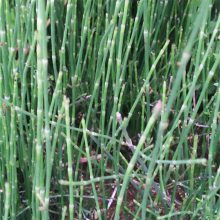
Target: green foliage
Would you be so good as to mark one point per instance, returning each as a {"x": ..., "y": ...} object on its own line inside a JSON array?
[{"x": 109, "y": 109}]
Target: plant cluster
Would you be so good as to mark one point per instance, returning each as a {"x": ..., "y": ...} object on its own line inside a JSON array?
[{"x": 109, "y": 109}]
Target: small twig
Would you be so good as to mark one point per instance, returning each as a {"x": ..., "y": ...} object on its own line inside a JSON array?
[{"x": 112, "y": 198}]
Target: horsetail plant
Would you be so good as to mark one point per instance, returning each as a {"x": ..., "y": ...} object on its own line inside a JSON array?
[{"x": 82, "y": 133}]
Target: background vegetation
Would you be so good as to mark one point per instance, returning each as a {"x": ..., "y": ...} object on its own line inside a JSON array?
[{"x": 109, "y": 109}]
